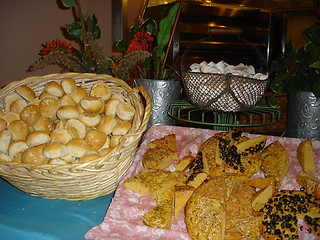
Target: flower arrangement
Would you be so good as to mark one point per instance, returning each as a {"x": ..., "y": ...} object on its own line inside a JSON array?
[{"x": 88, "y": 57}]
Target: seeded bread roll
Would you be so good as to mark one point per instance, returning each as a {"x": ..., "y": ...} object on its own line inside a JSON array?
[
  {"x": 101, "y": 90},
  {"x": 67, "y": 100},
  {"x": 95, "y": 139},
  {"x": 19, "y": 130},
  {"x": 10, "y": 116},
  {"x": 92, "y": 104},
  {"x": 54, "y": 88},
  {"x": 111, "y": 107},
  {"x": 26, "y": 93},
  {"x": 18, "y": 105},
  {"x": 90, "y": 119},
  {"x": 43, "y": 124},
  {"x": 68, "y": 85},
  {"x": 78, "y": 94},
  {"x": 77, "y": 147},
  {"x": 9, "y": 99},
  {"x": 122, "y": 128},
  {"x": 67, "y": 112},
  {"x": 125, "y": 111},
  {"x": 3, "y": 124},
  {"x": 5, "y": 140},
  {"x": 17, "y": 148},
  {"x": 55, "y": 150},
  {"x": 76, "y": 128},
  {"x": 33, "y": 155},
  {"x": 107, "y": 124},
  {"x": 30, "y": 114},
  {"x": 37, "y": 138},
  {"x": 60, "y": 135},
  {"x": 49, "y": 107}
]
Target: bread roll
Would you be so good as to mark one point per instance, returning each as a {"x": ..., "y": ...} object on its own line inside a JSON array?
[
  {"x": 90, "y": 119},
  {"x": 17, "y": 148},
  {"x": 61, "y": 124},
  {"x": 106, "y": 143},
  {"x": 77, "y": 147},
  {"x": 18, "y": 105},
  {"x": 101, "y": 90},
  {"x": 67, "y": 112},
  {"x": 60, "y": 135},
  {"x": 95, "y": 139},
  {"x": 107, "y": 124},
  {"x": 55, "y": 150},
  {"x": 54, "y": 88},
  {"x": 33, "y": 155},
  {"x": 5, "y": 157},
  {"x": 5, "y": 140},
  {"x": 30, "y": 114},
  {"x": 9, "y": 99},
  {"x": 111, "y": 107},
  {"x": 68, "y": 85},
  {"x": 57, "y": 161},
  {"x": 76, "y": 128},
  {"x": 92, "y": 104},
  {"x": 37, "y": 138},
  {"x": 49, "y": 107},
  {"x": 89, "y": 157},
  {"x": 10, "y": 116},
  {"x": 44, "y": 95},
  {"x": 115, "y": 140},
  {"x": 19, "y": 129},
  {"x": 122, "y": 128},
  {"x": 26, "y": 93},
  {"x": 43, "y": 124},
  {"x": 117, "y": 96},
  {"x": 78, "y": 94},
  {"x": 67, "y": 100},
  {"x": 125, "y": 111},
  {"x": 3, "y": 124}
]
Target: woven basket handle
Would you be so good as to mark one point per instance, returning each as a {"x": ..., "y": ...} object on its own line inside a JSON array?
[{"x": 148, "y": 104}]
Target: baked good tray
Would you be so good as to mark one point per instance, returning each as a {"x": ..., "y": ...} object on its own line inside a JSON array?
[{"x": 123, "y": 218}]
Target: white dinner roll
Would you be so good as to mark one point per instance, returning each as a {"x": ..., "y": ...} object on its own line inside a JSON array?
[
  {"x": 92, "y": 104},
  {"x": 78, "y": 94},
  {"x": 44, "y": 124},
  {"x": 117, "y": 96},
  {"x": 30, "y": 114},
  {"x": 55, "y": 150},
  {"x": 57, "y": 161},
  {"x": 122, "y": 128},
  {"x": 17, "y": 148},
  {"x": 68, "y": 85},
  {"x": 9, "y": 99},
  {"x": 76, "y": 128},
  {"x": 67, "y": 100},
  {"x": 60, "y": 124},
  {"x": 10, "y": 116},
  {"x": 125, "y": 111},
  {"x": 115, "y": 140},
  {"x": 89, "y": 157},
  {"x": 54, "y": 88},
  {"x": 3, "y": 124},
  {"x": 67, "y": 112},
  {"x": 5, "y": 140},
  {"x": 90, "y": 119},
  {"x": 37, "y": 138},
  {"x": 33, "y": 155},
  {"x": 49, "y": 107},
  {"x": 110, "y": 107},
  {"x": 95, "y": 139},
  {"x": 77, "y": 147},
  {"x": 107, "y": 124},
  {"x": 101, "y": 90},
  {"x": 26, "y": 93},
  {"x": 18, "y": 105},
  {"x": 60, "y": 135},
  {"x": 19, "y": 129}
]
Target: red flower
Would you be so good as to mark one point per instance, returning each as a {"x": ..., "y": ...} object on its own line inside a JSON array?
[
  {"x": 142, "y": 41},
  {"x": 55, "y": 45}
]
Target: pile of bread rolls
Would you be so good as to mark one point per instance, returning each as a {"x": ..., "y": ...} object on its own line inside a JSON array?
[{"x": 62, "y": 124}]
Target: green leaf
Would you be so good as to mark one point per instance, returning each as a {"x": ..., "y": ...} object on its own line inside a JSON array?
[
  {"x": 150, "y": 26},
  {"x": 93, "y": 27},
  {"x": 315, "y": 65},
  {"x": 74, "y": 30},
  {"x": 165, "y": 26},
  {"x": 69, "y": 3},
  {"x": 121, "y": 45},
  {"x": 158, "y": 53},
  {"x": 133, "y": 30}
]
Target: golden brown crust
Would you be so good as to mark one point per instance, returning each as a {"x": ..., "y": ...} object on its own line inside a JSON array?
[{"x": 305, "y": 156}]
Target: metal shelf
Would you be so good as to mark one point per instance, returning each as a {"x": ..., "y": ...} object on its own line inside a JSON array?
[{"x": 260, "y": 115}]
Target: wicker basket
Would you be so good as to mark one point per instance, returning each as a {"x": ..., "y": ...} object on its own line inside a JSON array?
[{"x": 81, "y": 181}]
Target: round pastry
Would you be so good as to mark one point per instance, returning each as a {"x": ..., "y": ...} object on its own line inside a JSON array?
[
  {"x": 33, "y": 155},
  {"x": 95, "y": 139},
  {"x": 5, "y": 140},
  {"x": 68, "y": 85},
  {"x": 36, "y": 138},
  {"x": 101, "y": 90},
  {"x": 26, "y": 92},
  {"x": 125, "y": 111},
  {"x": 49, "y": 107},
  {"x": 43, "y": 124},
  {"x": 67, "y": 100},
  {"x": 10, "y": 116},
  {"x": 3, "y": 124},
  {"x": 90, "y": 119},
  {"x": 55, "y": 150},
  {"x": 9, "y": 99},
  {"x": 18, "y": 105},
  {"x": 67, "y": 112},
  {"x": 122, "y": 128},
  {"x": 78, "y": 94},
  {"x": 77, "y": 147},
  {"x": 60, "y": 135},
  {"x": 54, "y": 88},
  {"x": 30, "y": 114},
  {"x": 19, "y": 129},
  {"x": 17, "y": 148},
  {"x": 92, "y": 104},
  {"x": 111, "y": 107},
  {"x": 76, "y": 128},
  {"x": 107, "y": 124}
]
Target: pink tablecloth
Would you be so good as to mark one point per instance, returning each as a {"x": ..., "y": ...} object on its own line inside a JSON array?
[{"x": 123, "y": 218}]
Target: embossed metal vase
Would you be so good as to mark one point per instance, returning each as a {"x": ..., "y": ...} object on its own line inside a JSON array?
[
  {"x": 162, "y": 93},
  {"x": 303, "y": 115}
]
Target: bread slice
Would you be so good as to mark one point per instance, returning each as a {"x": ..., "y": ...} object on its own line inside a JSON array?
[
  {"x": 310, "y": 183},
  {"x": 262, "y": 196},
  {"x": 184, "y": 163},
  {"x": 182, "y": 194},
  {"x": 196, "y": 179},
  {"x": 260, "y": 182},
  {"x": 305, "y": 156},
  {"x": 249, "y": 227},
  {"x": 251, "y": 145}
]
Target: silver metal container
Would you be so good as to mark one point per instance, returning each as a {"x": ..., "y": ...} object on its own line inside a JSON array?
[
  {"x": 303, "y": 115},
  {"x": 162, "y": 93}
]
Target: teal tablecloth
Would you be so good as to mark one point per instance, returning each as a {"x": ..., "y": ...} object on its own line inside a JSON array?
[{"x": 23, "y": 217}]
